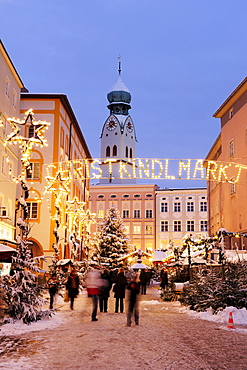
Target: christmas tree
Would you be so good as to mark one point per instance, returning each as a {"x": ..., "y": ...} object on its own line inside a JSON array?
[
  {"x": 111, "y": 241},
  {"x": 20, "y": 291}
]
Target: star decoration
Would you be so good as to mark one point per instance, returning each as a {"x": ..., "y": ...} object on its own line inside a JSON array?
[
  {"x": 89, "y": 218},
  {"x": 74, "y": 207},
  {"x": 38, "y": 130},
  {"x": 58, "y": 183}
]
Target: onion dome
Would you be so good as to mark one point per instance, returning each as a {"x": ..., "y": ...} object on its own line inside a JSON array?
[{"x": 119, "y": 97}]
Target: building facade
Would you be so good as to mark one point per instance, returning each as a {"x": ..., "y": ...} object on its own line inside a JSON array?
[
  {"x": 180, "y": 212},
  {"x": 227, "y": 197}
]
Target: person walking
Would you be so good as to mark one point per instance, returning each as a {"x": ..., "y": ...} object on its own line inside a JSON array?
[
  {"x": 52, "y": 287},
  {"x": 105, "y": 294},
  {"x": 133, "y": 289},
  {"x": 164, "y": 279},
  {"x": 143, "y": 281},
  {"x": 94, "y": 284},
  {"x": 72, "y": 287},
  {"x": 119, "y": 289}
]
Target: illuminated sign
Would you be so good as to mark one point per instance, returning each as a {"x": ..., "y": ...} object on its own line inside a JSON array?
[{"x": 144, "y": 168}]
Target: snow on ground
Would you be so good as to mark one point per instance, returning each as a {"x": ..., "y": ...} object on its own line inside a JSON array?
[{"x": 239, "y": 315}]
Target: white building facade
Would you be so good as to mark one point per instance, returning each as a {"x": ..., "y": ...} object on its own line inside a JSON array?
[{"x": 180, "y": 212}]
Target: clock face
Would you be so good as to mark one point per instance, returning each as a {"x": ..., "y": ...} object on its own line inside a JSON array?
[
  {"x": 129, "y": 126},
  {"x": 111, "y": 125}
]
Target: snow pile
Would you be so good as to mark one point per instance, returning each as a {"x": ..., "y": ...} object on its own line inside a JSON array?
[
  {"x": 18, "y": 327},
  {"x": 153, "y": 301},
  {"x": 239, "y": 315}
]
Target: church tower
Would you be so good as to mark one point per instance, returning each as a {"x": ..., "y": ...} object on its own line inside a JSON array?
[{"x": 118, "y": 138}]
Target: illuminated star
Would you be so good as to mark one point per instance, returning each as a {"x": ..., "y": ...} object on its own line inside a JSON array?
[
  {"x": 38, "y": 129},
  {"x": 58, "y": 184}
]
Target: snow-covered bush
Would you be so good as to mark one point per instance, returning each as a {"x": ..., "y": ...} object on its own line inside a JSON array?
[{"x": 218, "y": 289}]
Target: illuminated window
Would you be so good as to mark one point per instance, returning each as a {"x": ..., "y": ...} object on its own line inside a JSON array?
[
  {"x": 203, "y": 207},
  {"x": 114, "y": 151},
  {"x": 164, "y": 207},
  {"x": 136, "y": 229},
  {"x": 149, "y": 213},
  {"x": 177, "y": 207},
  {"x": 108, "y": 151},
  {"x": 125, "y": 213},
  {"x": 177, "y": 226},
  {"x": 137, "y": 213},
  {"x": 34, "y": 171},
  {"x": 190, "y": 225},
  {"x": 190, "y": 206},
  {"x": 203, "y": 226},
  {"x": 127, "y": 229},
  {"x": 148, "y": 229},
  {"x": 231, "y": 148},
  {"x": 32, "y": 210},
  {"x": 164, "y": 226},
  {"x": 100, "y": 213}
]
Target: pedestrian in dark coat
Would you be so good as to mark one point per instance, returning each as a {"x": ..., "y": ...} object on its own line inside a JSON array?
[
  {"x": 103, "y": 298},
  {"x": 52, "y": 287},
  {"x": 133, "y": 289},
  {"x": 164, "y": 279},
  {"x": 119, "y": 289},
  {"x": 72, "y": 286},
  {"x": 143, "y": 281}
]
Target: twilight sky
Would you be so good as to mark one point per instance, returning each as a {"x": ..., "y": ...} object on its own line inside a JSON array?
[{"x": 180, "y": 60}]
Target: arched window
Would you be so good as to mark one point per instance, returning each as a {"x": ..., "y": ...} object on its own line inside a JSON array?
[
  {"x": 126, "y": 152},
  {"x": 107, "y": 151},
  {"x": 130, "y": 152},
  {"x": 114, "y": 151}
]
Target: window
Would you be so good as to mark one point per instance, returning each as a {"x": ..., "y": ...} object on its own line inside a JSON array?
[
  {"x": 177, "y": 207},
  {"x": 190, "y": 225},
  {"x": 148, "y": 229},
  {"x": 203, "y": 225},
  {"x": 130, "y": 152},
  {"x": 230, "y": 113},
  {"x": 62, "y": 138},
  {"x": 34, "y": 171},
  {"x": 164, "y": 226},
  {"x": 126, "y": 152},
  {"x": 149, "y": 195},
  {"x": 126, "y": 196},
  {"x": 101, "y": 196},
  {"x": 125, "y": 213},
  {"x": 113, "y": 196},
  {"x": 137, "y": 196},
  {"x": 164, "y": 207},
  {"x": 114, "y": 151},
  {"x": 190, "y": 206},
  {"x": 177, "y": 226},
  {"x": 7, "y": 87},
  {"x": 231, "y": 148},
  {"x": 149, "y": 213},
  {"x": 108, "y": 152},
  {"x": 232, "y": 187},
  {"x": 203, "y": 207},
  {"x": 127, "y": 229},
  {"x": 137, "y": 213},
  {"x": 3, "y": 164},
  {"x": 136, "y": 229},
  {"x": 14, "y": 99},
  {"x": 32, "y": 210},
  {"x": 100, "y": 213}
]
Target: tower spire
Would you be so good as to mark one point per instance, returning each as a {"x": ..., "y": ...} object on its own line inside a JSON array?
[{"x": 119, "y": 64}]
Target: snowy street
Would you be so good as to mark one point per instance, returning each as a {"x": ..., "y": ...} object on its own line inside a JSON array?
[{"x": 167, "y": 338}]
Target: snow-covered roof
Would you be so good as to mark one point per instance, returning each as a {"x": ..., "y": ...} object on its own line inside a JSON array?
[{"x": 119, "y": 85}]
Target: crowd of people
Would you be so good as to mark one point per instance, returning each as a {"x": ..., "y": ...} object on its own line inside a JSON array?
[{"x": 99, "y": 283}]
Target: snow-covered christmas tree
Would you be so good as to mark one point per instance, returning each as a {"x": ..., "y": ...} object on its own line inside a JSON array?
[
  {"x": 111, "y": 241},
  {"x": 20, "y": 291}
]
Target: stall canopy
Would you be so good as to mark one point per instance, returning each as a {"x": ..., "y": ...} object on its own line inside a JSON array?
[
  {"x": 139, "y": 266},
  {"x": 6, "y": 252}
]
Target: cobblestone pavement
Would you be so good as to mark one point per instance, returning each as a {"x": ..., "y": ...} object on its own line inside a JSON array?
[{"x": 164, "y": 340}]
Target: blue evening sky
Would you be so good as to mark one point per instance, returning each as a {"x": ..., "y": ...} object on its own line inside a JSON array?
[{"x": 180, "y": 60}]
